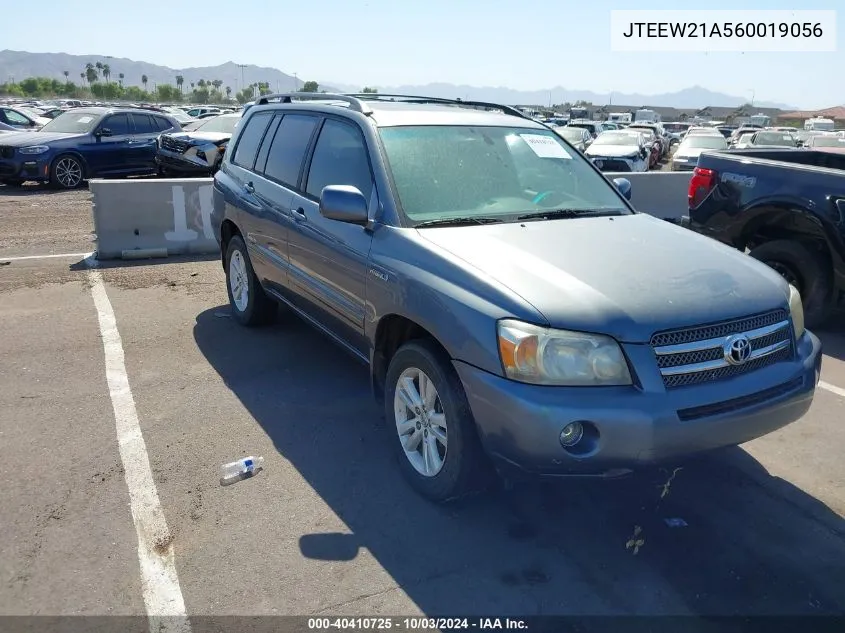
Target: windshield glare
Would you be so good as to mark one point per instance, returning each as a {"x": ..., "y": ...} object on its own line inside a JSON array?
[
  {"x": 785, "y": 140},
  {"x": 445, "y": 172},
  {"x": 828, "y": 141},
  {"x": 573, "y": 135},
  {"x": 223, "y": 124},
  {"x": 615, "y": 138},
  {"x": 72, "y": 122},
  {"x": 709, "y": 141}
]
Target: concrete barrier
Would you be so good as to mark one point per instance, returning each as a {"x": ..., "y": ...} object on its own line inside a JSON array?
[
  {"x": 662, "y": 194},
  {"x": 136, "y": 219}
]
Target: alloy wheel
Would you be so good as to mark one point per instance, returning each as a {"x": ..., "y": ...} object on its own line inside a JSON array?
[{"x": 420, "y": 421}]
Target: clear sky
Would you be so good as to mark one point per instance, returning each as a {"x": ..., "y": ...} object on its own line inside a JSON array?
[{"x": 536, "y": 45}]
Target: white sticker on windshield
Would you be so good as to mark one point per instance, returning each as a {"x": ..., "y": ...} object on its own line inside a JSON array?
[
  {"x": 545, "y": 146},
  {"x": 85, "y": 119},
  {"x": 787, "y": 137}
]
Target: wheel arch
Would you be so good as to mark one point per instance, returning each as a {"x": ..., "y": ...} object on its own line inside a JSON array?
[{"x": 86, "y": 168}]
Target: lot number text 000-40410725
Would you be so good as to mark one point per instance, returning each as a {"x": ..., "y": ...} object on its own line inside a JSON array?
[{"x": 723, "y": 31}]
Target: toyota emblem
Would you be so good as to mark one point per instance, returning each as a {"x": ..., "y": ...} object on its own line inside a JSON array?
[
  {"x": 737, "y": 349},
  {"x": 599, "y": 163}
]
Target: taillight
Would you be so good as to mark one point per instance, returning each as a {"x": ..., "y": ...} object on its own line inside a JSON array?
[{"x": 702, "y": 181}]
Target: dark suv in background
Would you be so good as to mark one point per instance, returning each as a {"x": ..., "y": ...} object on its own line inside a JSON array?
[
  {"x": 84, "y": 143},
  {"x": 508, "y": 301}
]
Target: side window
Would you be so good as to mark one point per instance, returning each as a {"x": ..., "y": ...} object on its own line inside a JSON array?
[
  {"x": 118, "y": 124},
  {"x": 340, "y": 158},
  {"x": 250, "y": 139},
  {"x": 144, "y": 124},
  {"x": 288, "y": 148},
  {"x": 162, "y": 124},
  {"x": 15, "y": 118},
  {"x": 261, "y": 160}
]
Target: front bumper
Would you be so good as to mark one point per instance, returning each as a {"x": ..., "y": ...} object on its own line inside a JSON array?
[
  {"x": 613, "y": 164},
  {"x": 683, "y": 166},
  {"x": 32, "y": 168},
  {"x": 187, "y": 163},
  {"x": 520, "y": 424}
]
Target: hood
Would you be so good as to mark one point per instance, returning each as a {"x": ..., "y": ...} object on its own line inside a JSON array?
[
  {"x": 625, "y": 276},
  {"x": 614, "y": 151},
  {"x": 25, "y": 139},
  {"x": 201, "y": 137}
]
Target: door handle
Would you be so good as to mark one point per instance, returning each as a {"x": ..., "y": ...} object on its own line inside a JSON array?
[
  {"x": 299, "y": 215},
  {"x": 249, "y": 187}
]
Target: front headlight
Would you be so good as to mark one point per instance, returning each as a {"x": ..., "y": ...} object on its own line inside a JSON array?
[
  {"x": 35, "y": 149},
  {"x": 544, "y": 356},
  {"x": 796, "y": 310}
]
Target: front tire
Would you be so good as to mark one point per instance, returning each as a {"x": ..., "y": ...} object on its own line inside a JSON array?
[
  {"x": 430, "y": 425},
  {"x": 250, "y": 304},
  {"x": 805, "y": 269},
  {"x": 66, "y": 172}
]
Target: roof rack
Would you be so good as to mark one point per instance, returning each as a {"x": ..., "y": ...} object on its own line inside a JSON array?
[
  {"x": 288, "y": 97},
  {"x": 376, "y": 96}
]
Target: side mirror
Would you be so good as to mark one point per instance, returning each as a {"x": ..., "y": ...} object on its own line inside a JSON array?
[
  {"x": 624, "y": 187},
  {"x": 103, "y": 131},
  {"x": 344, "y": 203}
]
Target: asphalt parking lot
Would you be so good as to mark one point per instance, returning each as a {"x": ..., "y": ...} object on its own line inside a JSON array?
[{"x": 329, "y": 527}]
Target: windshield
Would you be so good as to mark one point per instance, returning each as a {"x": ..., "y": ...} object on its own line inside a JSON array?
[
  {"x": 444, "y": 172},
  {"x": 774, "y": 138},
  {"x": 827, "y": 141},
  {"x": 72, "y": 123},
  {"x": 704, "y": 141},
  {"x": 224, "y": 124},
  {"x": 676, "y": 127},
  {"x": 617, "y": 138},
  {"x": 572, "y": 134}
]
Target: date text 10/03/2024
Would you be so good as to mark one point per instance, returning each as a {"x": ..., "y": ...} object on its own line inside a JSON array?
[{"x": 415, "y": 624}]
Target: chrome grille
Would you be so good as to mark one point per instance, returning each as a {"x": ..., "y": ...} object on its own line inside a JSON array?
[
  {"x": 173, "y": 145},
  {"x": 698, "y": 354}
]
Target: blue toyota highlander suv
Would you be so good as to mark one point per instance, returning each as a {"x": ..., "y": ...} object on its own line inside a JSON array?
[
  {"x": 85, "y": 143},
  {"x": 511, "y": 305}
]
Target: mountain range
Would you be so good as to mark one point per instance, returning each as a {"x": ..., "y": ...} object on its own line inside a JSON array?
[{"x": 21, "y": 64}]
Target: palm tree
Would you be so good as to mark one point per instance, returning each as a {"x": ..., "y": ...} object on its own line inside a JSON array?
[
  {"x": 66, "y": 73},
  {"x": 144, "y": 80},
  {"x": 106, "y": 72},
  {"x": 201, "y": 83},
  {"x": 91, "y": 73},
  {"x": 228, "y": 92},
  {"x": 99, "y": 66},
  {"x": 192, "y": 85},
  {"x": 82, "y": 77},
  {"x": 217, "y": 83},
  {"x": 120, "y": 79},
  {"x": 179, "y": 81}
]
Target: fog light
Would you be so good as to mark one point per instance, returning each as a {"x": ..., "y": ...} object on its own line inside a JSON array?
[{"x": 571, "y": 434}]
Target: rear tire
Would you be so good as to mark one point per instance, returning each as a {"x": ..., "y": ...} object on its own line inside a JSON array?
[
  {"x": 250, "y": 304},
  {"x": 805, "y": 269},
  {"x": 462, "y": 466}
]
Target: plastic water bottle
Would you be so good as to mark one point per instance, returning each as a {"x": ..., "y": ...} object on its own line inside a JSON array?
[{"x": 241, "y": 469}]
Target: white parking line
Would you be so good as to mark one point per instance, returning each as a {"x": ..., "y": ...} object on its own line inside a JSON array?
[
  {"x": 17, "y": 259},
  {"x": 839, "y": 391},
  {"x": 159, "y": 581}
]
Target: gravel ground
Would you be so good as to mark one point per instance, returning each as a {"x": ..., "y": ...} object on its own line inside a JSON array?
[{"x": 39, "y": 220}]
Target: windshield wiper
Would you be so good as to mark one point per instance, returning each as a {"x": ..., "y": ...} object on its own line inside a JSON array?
[
  {"x": 463, "y": 221},
  {"x": 552, "y": 214}
]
